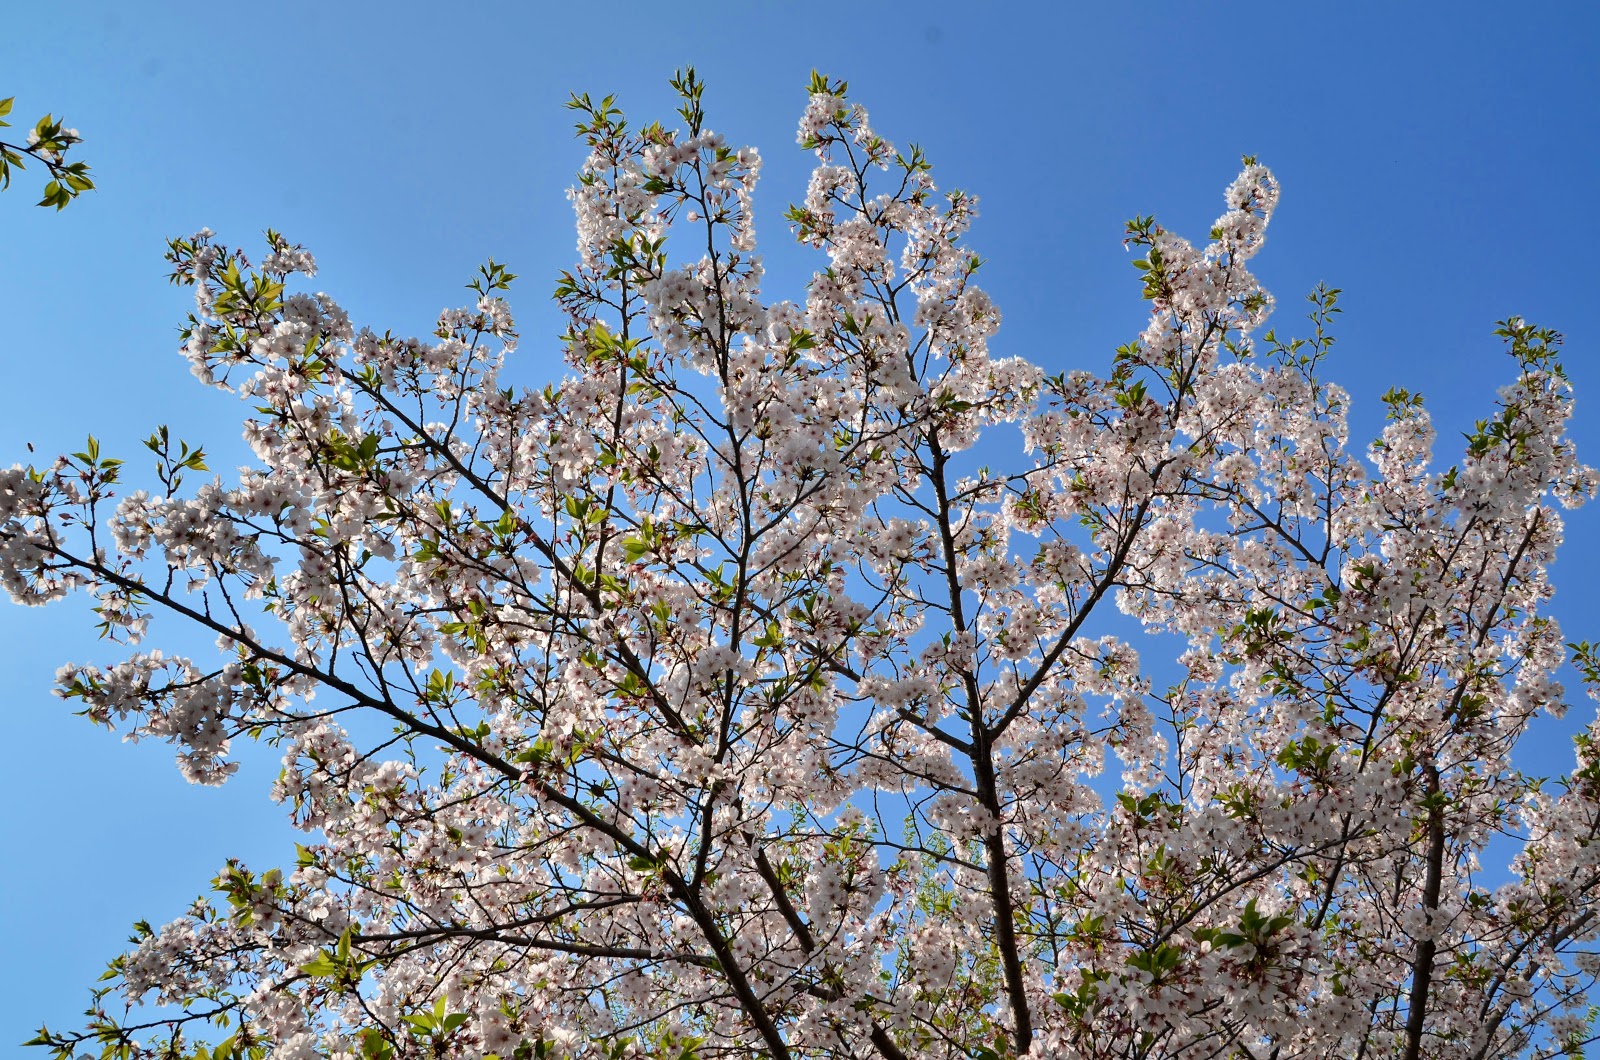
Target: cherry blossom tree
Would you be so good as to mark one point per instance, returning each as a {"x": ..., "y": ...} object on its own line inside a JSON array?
[{"x": 716, "y": 702}]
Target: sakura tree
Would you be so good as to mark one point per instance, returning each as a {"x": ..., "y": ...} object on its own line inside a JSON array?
[{"x": 715, "y": 702}]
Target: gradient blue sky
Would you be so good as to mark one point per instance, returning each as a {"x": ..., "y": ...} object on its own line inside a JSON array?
[{"x": 1439, "y": 162}]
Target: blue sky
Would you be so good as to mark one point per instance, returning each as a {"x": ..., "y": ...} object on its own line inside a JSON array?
[{"x": 1438, "y": 162}]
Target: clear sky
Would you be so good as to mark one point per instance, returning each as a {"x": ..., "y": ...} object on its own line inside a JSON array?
[{"x": 1439, "y": 162}]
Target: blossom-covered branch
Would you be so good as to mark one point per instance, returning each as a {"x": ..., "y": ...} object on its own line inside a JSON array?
[{"x": 47, "y": 143}]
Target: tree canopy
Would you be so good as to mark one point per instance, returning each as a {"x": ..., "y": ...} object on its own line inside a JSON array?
[{"x": 727, "y": 698}]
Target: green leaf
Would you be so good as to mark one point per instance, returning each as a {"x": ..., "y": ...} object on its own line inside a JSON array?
[
  {"x": 539, "y": 752},
  {"x": 321, "y": 966},
  {"x": 772, "y": 637},
  {"x": 374, "y": 1046}
]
